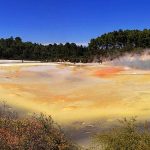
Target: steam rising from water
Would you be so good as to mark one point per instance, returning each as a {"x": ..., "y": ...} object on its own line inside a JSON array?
[{"x": 140, "y": 62}]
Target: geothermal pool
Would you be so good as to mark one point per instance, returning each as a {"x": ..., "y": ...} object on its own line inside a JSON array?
[{"x": 76, "y": 93}]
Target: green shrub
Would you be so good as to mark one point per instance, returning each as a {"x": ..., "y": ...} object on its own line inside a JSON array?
[{"x": 129, "y": 136}]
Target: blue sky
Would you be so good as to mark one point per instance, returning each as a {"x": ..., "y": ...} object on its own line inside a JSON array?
[{"x": 49, "y": 21}]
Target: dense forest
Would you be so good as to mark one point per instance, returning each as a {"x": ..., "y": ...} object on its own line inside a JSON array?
[
  {"x": 107, "y": 46},
  {"x": 117, "y": 43}
]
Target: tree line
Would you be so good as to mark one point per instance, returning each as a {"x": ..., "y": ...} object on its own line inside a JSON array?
[
  {"x": 108, "y": 46},
  {"x": 117, "y": 43},
  {"x": 15, "y": 48}
]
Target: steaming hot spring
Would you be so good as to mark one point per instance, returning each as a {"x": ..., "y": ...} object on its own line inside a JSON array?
[
  {"x": 81, "y": 92},
  {"x": 80, "y": 95}
]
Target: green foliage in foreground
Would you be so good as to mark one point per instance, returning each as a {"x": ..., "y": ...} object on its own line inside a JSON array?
[
  {"x": 128, "y": 136},
  {"x": 36, "y": 133}
]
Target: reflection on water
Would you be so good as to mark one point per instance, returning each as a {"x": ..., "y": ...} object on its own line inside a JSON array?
[{"x": 73, "y": 93}]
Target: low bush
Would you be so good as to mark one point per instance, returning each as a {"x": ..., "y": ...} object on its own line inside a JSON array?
[
  {"x": 35, "y": 133},
  {"x": 128, "y": 136}
]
